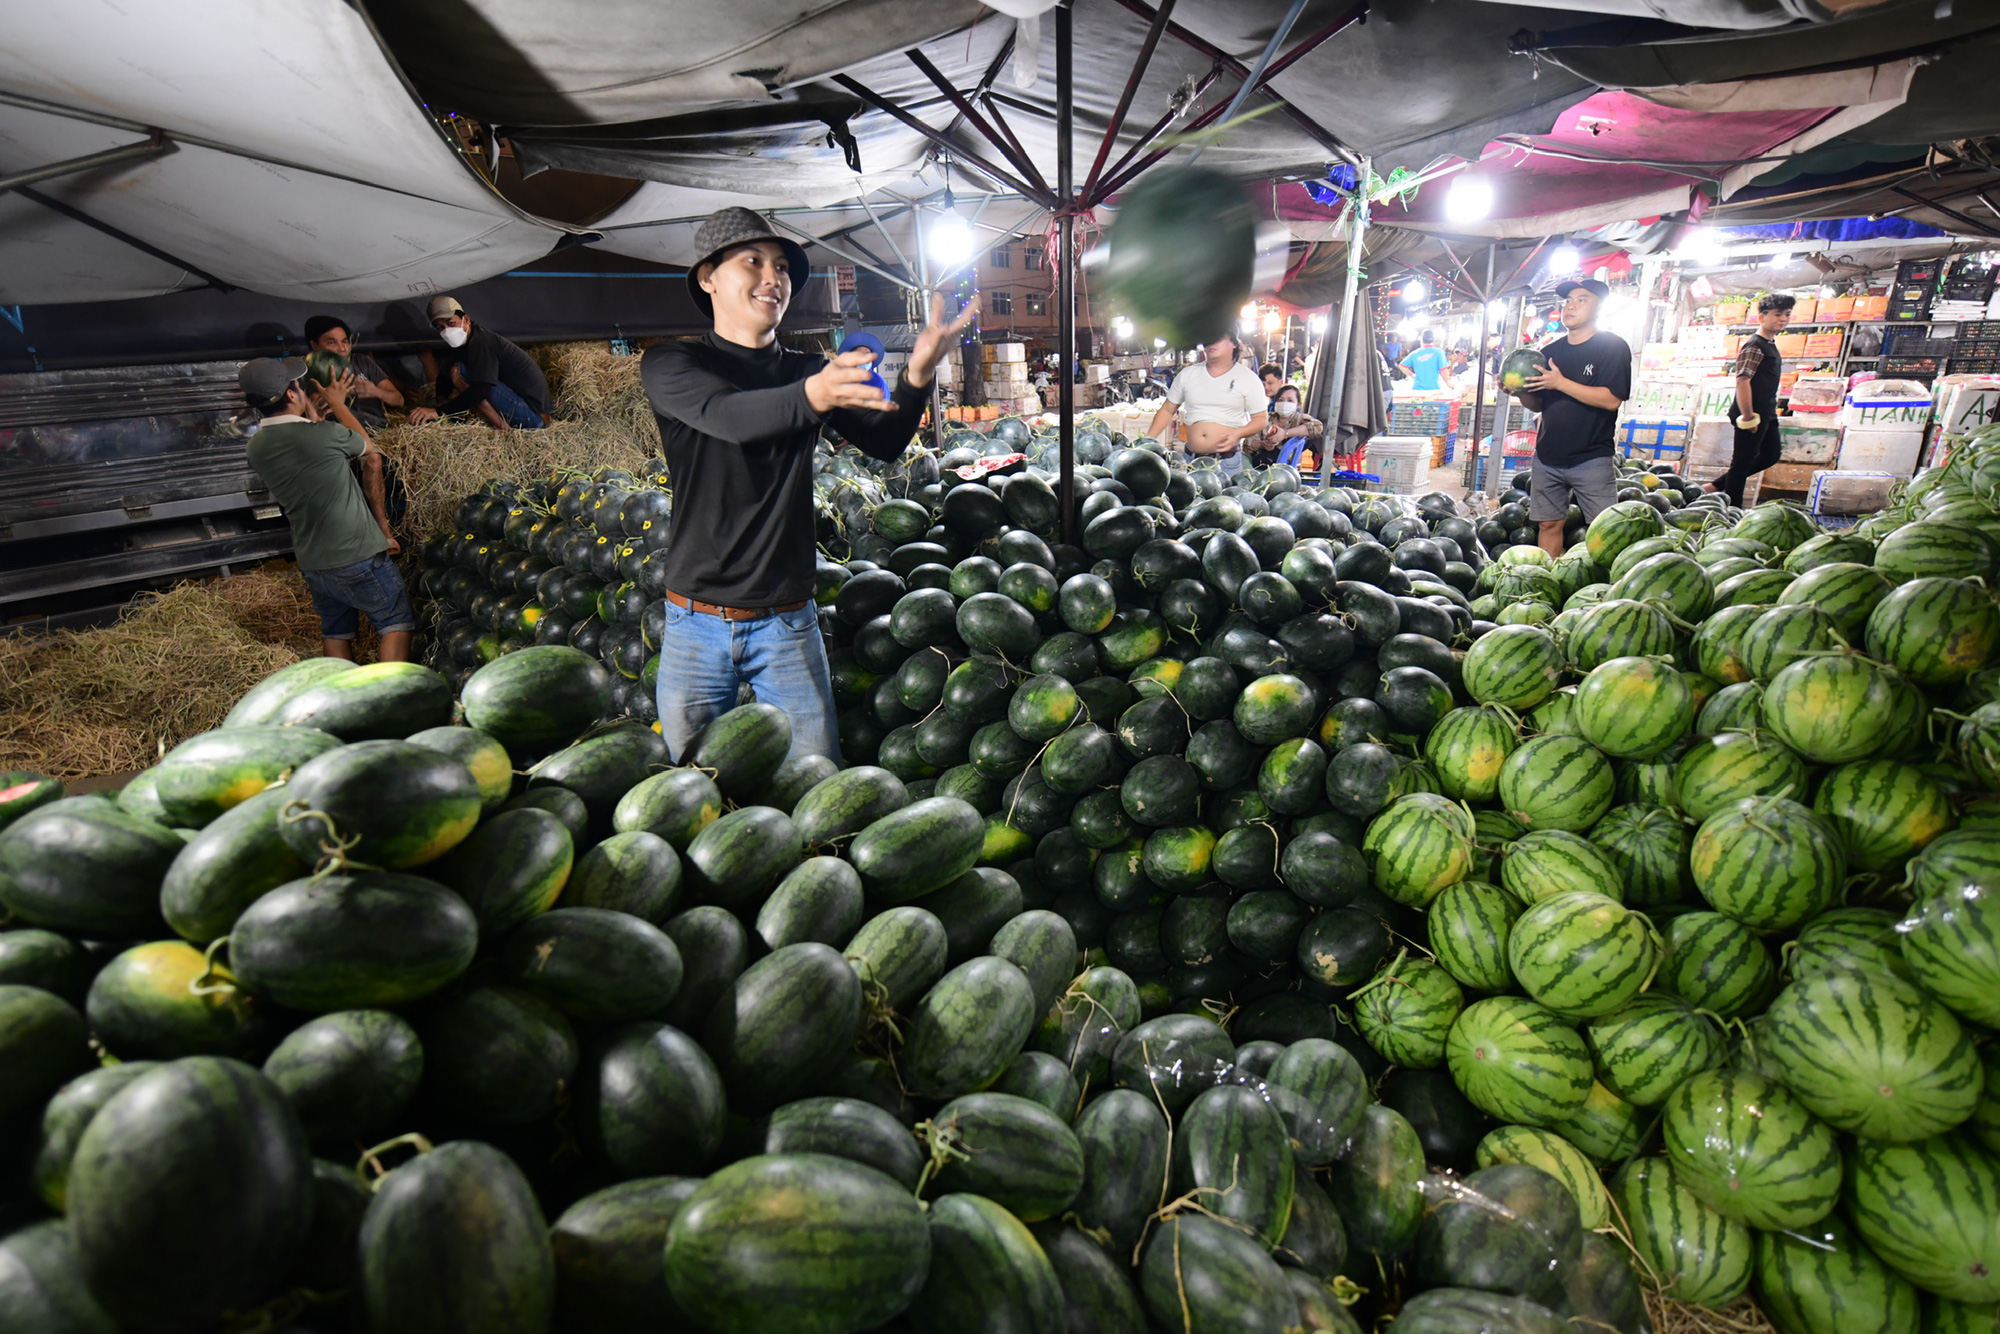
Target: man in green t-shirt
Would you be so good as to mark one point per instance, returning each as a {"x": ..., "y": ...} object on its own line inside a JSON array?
[{"x": 342, "y": 541}]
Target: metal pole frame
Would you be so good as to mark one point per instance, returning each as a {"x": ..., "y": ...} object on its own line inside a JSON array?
[
  {"x": 1344, "y": 337},
  {"x": 1066, "y": 271},
  {"x": 1493, "y": 452},
  {"x": 152, "y": 146}
]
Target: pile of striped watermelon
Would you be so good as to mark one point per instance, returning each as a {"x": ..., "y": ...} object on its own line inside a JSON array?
[{"x": 1238, "y": 922}]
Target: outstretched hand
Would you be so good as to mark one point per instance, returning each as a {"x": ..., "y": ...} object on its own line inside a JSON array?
[
  {"x": 846, "y": 381},
  {"x": 932, "y": 343}
]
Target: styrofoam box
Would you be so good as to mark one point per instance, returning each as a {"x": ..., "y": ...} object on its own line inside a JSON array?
[
  {"x": 1887, "y": 448},
  {"x": 1712, "y": 445},
  {"x": 1844, "y": 492},
  {"x": 1003, "y": 352},
  {"x": 1964, "y": 403},
  {"x": 1809, "y": 441},
  {"x": 1886, "y": 402},
  {"x": 1402, "y": 462}
]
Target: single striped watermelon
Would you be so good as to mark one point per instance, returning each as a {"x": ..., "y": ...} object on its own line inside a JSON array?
[
  {"x": 1847, "y": 938},
  {"x": 1882, "y": 811},
  {"x": 1751, "y": 1150},
  {"x": 1651, "y": 1047},
  {"x": 1671, "y": 580},
  {"x": 1716, "y": 649},
  {"x": 1529, "y": 611},
  {"x": 1764, "y": 586},
  {"x": 1964, "y": 856},
  {"x": 1618, "y": 526},
  {"x": 1783, "y": 635},
  {"x": 1419, "y": 845},
  {"x": 1729, "y": 767},
  {"x": 1634, "y": 708},
  {"x": 1556, "y": 715},
  {"x": 1468, "y": 924},
  {"x": 1648, "y": 782},
  {"x": 1838, "y": 707},
  {"x": 1935, "y": 631},
  {"x": 1406, "y": 1011},
  {"x": 1517, "y": 666},
  {"x": 1697, "y": 1254},
  {"x": 1870, "y": 1054},
  {"x": 1466, "y": 748},
  {"x": 1782, "y": 526},
  {"x": 1547, "y": 862},
  {"x": 1932, "y": 1211},
  {"x": 1951, "y": 945},
  {"x": 1557, "y": 782},
  {"x": 1948, "y": 1317},
  {"x": 1493, "y": 832},
  {"x": 1978, "y": 744},
  {"x": 1769, "y": 863},
  {"x": 1828, "y": 549},
  {"x": 1551, "y": 1153},
  {"x": 1736, "y": 708},
  {"x": 1649, "y": 848},
  {"x": 1826, "y": 1279},
  {"x": 1935, "y": 549},
  {"x": 1515, "y": 1060},
  {"x": 1847, "y": 592},
  {"x": 1619, "y": 628},
  {"x": 1607, "y": 1128},
  {"x": 1527, "y": 583},
  {"x": 1582, "y": 955},
  {"x": 1638, "y": 551},
  {"x": 1717, "y": 964}
]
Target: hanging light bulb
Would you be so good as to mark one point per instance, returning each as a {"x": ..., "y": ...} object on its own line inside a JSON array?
[
  {"x": 1564, "y": 259},
  {"x": 1469, "y": 199},
  {"x": 1414, "y": 290},
  {"x": 949, "y": 238}
]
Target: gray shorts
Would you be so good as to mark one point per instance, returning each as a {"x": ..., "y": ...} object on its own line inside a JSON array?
[{"x": 1592, "y": 484}]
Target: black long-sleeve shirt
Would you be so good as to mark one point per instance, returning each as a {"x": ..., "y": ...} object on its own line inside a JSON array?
[
  {"x": 488, "y": 359},
  {"x": 738, "y": 437}
]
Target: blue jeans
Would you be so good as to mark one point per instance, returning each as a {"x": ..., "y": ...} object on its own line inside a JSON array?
[
  {"x": 703, "y": 660},
  {"x": 373, "y": 586},
  {"x": 514, "y": 409}
]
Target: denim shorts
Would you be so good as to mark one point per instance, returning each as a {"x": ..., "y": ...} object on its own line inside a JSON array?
[{"x": 373, "y": 587}]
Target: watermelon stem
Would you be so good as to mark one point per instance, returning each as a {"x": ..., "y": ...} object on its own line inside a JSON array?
[
  {"x": 333, "y": 847},
  {"x": 202, "y": 985},
  {"x": 943, "y": 1143},
  {"x": 371, "y": 1158}
]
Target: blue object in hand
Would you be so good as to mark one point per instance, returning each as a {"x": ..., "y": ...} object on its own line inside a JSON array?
[{"x": 864, "y": 339}]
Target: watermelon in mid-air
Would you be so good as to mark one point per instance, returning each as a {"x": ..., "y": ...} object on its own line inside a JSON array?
[
  {"x": 1182, "y": 256},
  {"x": 323, "y": 367}
]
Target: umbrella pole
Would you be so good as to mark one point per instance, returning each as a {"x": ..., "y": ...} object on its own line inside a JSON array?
[
  {"x": 1066, "y": 274},
  {"x": 1479, "y": 393},
  {"x": 1344, "y": 338}
]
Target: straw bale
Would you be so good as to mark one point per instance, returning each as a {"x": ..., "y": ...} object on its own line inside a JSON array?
[
  {"x": 601, "y": 419},
  {"x": 81, "y": 704},
  {"x": 1671, "y": 1317}
]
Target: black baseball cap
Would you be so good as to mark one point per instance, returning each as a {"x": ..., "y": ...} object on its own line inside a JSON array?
[
  {"x": 1568, "y": 285},
  {"x": 265, "y": 378},
  {"x": 727, "y": 228},
  {"x": 318, "y": 326}
]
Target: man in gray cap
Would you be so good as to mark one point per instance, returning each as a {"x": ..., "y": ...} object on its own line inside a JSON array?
[
  {"x": 739, "y": 417},
  {"x": 340, "y": 536},
  {"x": 484, "y": 374}
]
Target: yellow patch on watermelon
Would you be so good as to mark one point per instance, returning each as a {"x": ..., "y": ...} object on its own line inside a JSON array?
[{"x": 240, "y": 791}]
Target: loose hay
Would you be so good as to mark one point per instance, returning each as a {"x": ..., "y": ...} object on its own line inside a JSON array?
[
  {"x": 79, "y": 704},
  {"x": 601, "y": 420},
  {"x": 1671, "y": 1317}
]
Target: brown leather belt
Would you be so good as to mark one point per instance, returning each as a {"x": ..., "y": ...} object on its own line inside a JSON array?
[{"x": 732, "y": 613}]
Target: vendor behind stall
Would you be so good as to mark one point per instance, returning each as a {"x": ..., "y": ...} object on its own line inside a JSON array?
[
  {"x": 1757, "y": 443},
  {"x": 374, "y": 391},
  {"x": 1287, "y": 424},
  {"x": 482, "y": 373},
  {"x": 1222, "y": 402}
]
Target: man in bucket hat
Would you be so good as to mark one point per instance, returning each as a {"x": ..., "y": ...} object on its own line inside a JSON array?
[{"x": 739, "y": 417}]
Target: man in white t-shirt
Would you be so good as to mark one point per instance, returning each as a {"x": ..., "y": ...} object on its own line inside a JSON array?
[{"x": 1222, "y": 402}]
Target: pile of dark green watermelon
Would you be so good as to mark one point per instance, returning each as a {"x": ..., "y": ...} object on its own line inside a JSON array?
[{"x": 1285, "y": 911}]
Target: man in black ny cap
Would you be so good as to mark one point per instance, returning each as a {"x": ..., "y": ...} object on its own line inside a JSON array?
[
  {"x": 1589, "y": 375},
  {"x": 739, "y": 417},
  {"x": 339, "y": 533}
]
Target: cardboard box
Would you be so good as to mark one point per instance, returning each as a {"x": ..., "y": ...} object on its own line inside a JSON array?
[
  {"x": 1732, "y": 312},
  {"x": 1837, "y": 308},
  {"x": 1805, "y": 309},
  {"x": 1840, "y": 492},
  {"x": 1823, "y": 344},
  {"x": 1791, "y": 344},
  {"x": 1871, "y": 307}
]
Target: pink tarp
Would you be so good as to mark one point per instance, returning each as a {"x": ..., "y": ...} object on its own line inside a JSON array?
[{"x": 1537, "y": 193}]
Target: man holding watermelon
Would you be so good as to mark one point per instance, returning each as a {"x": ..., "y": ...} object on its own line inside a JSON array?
[
  {"x": 739, "y": 417},
  {"x": 1586, "y": 376}
]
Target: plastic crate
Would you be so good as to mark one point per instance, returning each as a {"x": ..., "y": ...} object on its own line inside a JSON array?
[
  {"x": 1924, "y": 271},
  {"x": 1508, "y": 464},
  {"x": 1911, "y": 343}
]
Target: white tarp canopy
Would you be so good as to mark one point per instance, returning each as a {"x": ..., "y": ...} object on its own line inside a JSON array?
[{"x": 302, "y": 165}]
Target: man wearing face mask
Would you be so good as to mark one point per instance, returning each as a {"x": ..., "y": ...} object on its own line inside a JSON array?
[
  {"x": 739, "y": 418},
  {"x": 483, "y": 374}
]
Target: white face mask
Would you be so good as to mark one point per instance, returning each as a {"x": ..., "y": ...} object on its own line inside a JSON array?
[
  {"x": 1288, "y": 409},
  {"x": 454, "y": 336}
]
